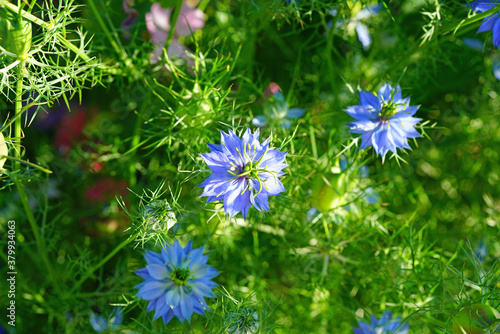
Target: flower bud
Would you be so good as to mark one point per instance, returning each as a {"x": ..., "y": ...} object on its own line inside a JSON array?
[{"x": 16, "y": 33}]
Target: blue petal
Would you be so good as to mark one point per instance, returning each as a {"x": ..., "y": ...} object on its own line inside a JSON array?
[
  {"x": 143, "y": 273},
  {"x": 259, "y": 120},
  {"x": 487, "y": 24},
  {"x": 186, "y": 306},
  {"x": 153, "y": 258},
  {"x": 217, "y": 161},
  {"x": 273, "y": 160},
  {"x": 233, "y": 198},
  {"x": 215, "y": 184},
  {"x": 473, "y": 43},
  {"x": 368, "y": 99},
  {"x": 481, "y": 5},
  {"x": 496, "y": 32},
  {"x": 232, "y": 147},
  {"x": 496, "y": 69},
  {"x": 384, "y": 94},
  {"x": 215, "y": 147},
  {"x": 363, "y": 35},
  {"x": 368, "y": 11},
  {"x": 366, "y": 140},
  {"x": 279, "y": 96},
  {"x": 361, "y": 112},
  {"x": 98, "y": 323},
  {"x": 158, "y": 272},
  {"x": 285, "y": 124},
  {"x": 167, "y": 317},
  {"x": 295, "y": 112},
  {"x": 173, "y": 296},
  {"x": 274, "y": 186},
  {"x": 151, "y": 290},
  {"x": 161, "y": 307}
]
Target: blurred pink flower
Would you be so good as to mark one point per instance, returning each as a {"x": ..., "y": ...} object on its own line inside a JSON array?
[{"x": 158, "y": 24}]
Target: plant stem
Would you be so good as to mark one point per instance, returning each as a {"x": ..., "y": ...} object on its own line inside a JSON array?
[
  {"x": 115, "y": 46},
  {"x": 38, "y": 238},
  {"x": 173, "y": 22},
  {"x": 18, "y": 111}
]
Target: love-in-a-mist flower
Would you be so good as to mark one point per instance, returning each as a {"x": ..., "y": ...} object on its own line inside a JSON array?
[
  {"x": 385, "y": 121},
  {"x": 158, "y": 24},
  {"x": 176, "y": 282},
  {"x": 244, "y": 172},
  {"x": 101, "y": 323},
  {"x": 491, "y": 22},
  {"x": 245, "y": 321},
  {"x": 278, "y": 111},
  {"x": 384, "y": 325},
  {"x": 356, "y": 23}
]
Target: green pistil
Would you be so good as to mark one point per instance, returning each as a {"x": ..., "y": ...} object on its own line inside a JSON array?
[
  {"x": 180, "y": 276},
  {"x": 387, "y": 111}
]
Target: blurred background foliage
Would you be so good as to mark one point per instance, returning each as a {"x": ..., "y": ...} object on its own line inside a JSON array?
[{"x": 325, "y": 255}]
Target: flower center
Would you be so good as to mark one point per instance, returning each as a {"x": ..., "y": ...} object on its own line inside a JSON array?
[
  {"x": 387, "y": 111},
  {"x": 180, "y": 276},
  {"x": 250, "y": 172}
]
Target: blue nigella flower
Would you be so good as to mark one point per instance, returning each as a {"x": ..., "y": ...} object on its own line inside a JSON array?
[
  {"x": 362, "y": 30},
  {"x": 384, "y": 325},
  {"x": 101, "y": 323},
  {"x": 244, "y": 172},
  {"x": 278, "y": 112},
  {"x": 385, "y": 122},
  {"x": 491, "y": 22},
  {"x": 176, "y": 282}
]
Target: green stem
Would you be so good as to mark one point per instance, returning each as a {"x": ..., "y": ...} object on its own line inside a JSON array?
[
  {"x": 38, "y": 238},
  {"x": 135, "y": 144},
  {"x": 18, "y": 111},
  {"x": 97, "y": 15},
  {"x": 99, "y": 265},
  {"x": 173, "y": 22}
]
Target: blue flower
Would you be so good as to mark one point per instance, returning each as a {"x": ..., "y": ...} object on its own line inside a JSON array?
[
  {"x": 384, "y": 325},
  {"x": 385, "y": 122},
  {"x": 361, "y": 29},
  {"x": 101, "y": 323},
  {"x": 491, "y": 22},
  {"x": 496, "y": 69},
  {"x": 482, "y": 251},
  {"x": 278, "y": 111},
  {"x": 176, "y": 282},
  {"x": 244, "y": 172}
]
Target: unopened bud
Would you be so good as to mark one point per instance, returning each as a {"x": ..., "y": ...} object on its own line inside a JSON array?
[{"x": 16, "y": 34}]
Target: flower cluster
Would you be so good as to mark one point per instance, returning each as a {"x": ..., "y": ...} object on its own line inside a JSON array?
[
  {"x": 176, "y": 282},
  {"x": 385, "y": 121},
  {"x": 244, "y": 172},
  {"x": 384, "y": 325}
]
